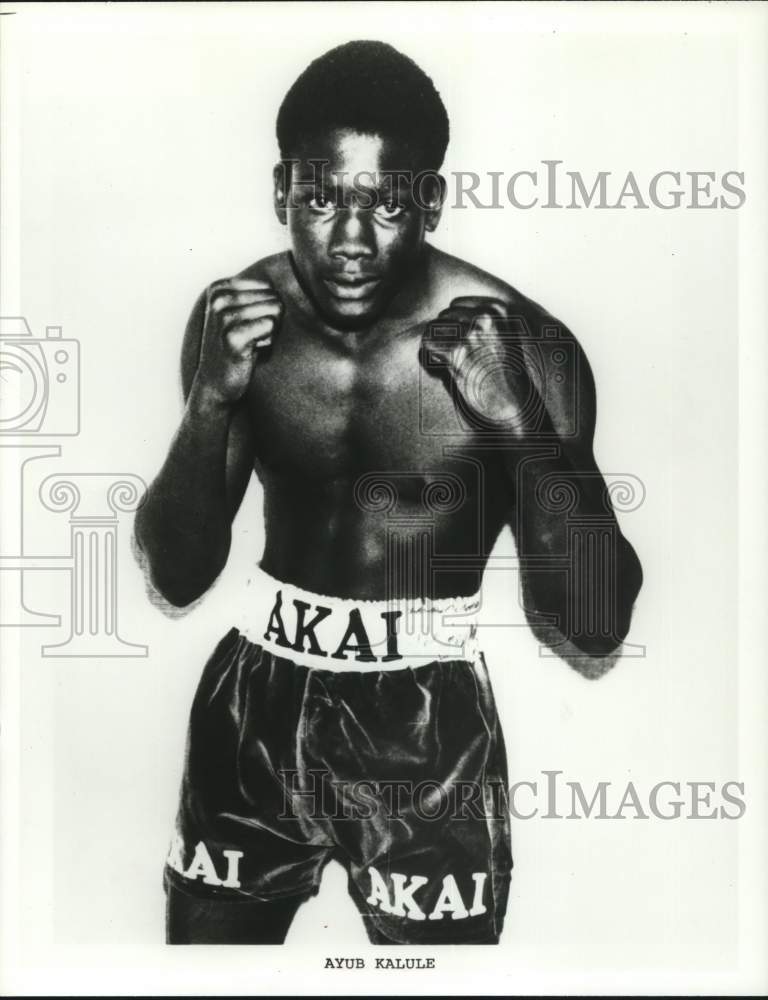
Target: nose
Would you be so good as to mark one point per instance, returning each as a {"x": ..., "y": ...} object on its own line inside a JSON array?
[{"x": 352, "y": 236}]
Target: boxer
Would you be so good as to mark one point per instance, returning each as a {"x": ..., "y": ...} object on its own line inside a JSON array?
[{"x": 400, "y": 407}]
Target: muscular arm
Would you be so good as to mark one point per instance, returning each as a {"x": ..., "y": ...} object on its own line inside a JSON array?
[
  {"x": 580, "y": 575},
  {"x": 183, "y": 529}
]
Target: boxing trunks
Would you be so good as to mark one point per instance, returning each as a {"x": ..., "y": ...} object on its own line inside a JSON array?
[{"x": 364, "y": 731}]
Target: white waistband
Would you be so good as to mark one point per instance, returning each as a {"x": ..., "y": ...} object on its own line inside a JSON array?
[{"x": 332, "y": 633}]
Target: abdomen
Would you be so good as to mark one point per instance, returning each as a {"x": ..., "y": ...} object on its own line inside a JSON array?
[{"x": 380, "y": 535}]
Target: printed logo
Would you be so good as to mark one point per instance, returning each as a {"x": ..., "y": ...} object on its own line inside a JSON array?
[
  {"x": 401, "y": 902},
  {"x": 202, "y": 864},
  {"x": 352, "y": 638}
]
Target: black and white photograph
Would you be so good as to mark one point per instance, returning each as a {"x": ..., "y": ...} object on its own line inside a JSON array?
[{"x": 382, "y": 563}]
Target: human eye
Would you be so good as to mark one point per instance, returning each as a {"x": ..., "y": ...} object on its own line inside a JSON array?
[
  {"x": 321, "y": 203},
  {"x": 389, "y": 210}
]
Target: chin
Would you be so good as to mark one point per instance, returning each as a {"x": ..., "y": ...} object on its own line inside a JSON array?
[{"x": 351, "y": 316}]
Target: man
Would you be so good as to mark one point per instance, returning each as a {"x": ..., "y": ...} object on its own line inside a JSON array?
[{"x": 399, "y": 407}]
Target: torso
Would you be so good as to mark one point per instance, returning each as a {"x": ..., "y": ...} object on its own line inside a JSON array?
[{"x": 373, "y": 485}]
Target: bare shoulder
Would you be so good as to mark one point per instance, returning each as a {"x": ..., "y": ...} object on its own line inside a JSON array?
[
  {"x": 555, "y": 359},
  {"x": 454, "y": 277},
  {"x": 276, "y": 269}
]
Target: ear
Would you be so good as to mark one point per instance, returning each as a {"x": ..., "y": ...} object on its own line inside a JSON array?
[
  {"x": 433, "y": 200},
  {"x": 281, "y": 176}
]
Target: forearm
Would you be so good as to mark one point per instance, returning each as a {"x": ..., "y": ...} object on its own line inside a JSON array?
[
  {"x": 577, "y": 566},
  {"x": 183, "y": 527}
]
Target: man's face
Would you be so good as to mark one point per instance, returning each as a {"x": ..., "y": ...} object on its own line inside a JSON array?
[{"x": 355, "y": 230}]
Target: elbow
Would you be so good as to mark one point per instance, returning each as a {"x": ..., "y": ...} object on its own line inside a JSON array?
[
  {"x": 586, "y": 629},
  {"x": 171, "y": 584},
  {"x": 599, "y": 647},
  {"x": 604, "y": 644},
  {"x": 174, "y": 592},
  {"x": 591, "y": 657},
  {"x": 183, "y": 586}
]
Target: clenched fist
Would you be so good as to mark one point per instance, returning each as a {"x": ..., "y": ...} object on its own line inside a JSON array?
[
  {"x": 473, "y": 343},
  {"x": 241, "y": 317}
]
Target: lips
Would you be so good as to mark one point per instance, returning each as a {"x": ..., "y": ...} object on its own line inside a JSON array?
[{"x": 350, "y": 288}]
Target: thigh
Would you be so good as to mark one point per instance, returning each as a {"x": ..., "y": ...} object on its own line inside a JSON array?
[
  {"x": 241, "y": 835},
  {"x": 447, "y": 884},
  {"x": 433, "y": 866},
  {"x": 192, "y": 920}
]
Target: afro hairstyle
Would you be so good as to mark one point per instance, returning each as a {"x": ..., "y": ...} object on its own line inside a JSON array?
[{"x": 370, "y": 87}]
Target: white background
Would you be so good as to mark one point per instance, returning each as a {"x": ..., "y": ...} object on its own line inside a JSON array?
[{"x": 139, "y": 143}]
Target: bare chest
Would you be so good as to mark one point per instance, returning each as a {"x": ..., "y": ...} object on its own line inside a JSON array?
[{"x": 323, "y": 414}]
